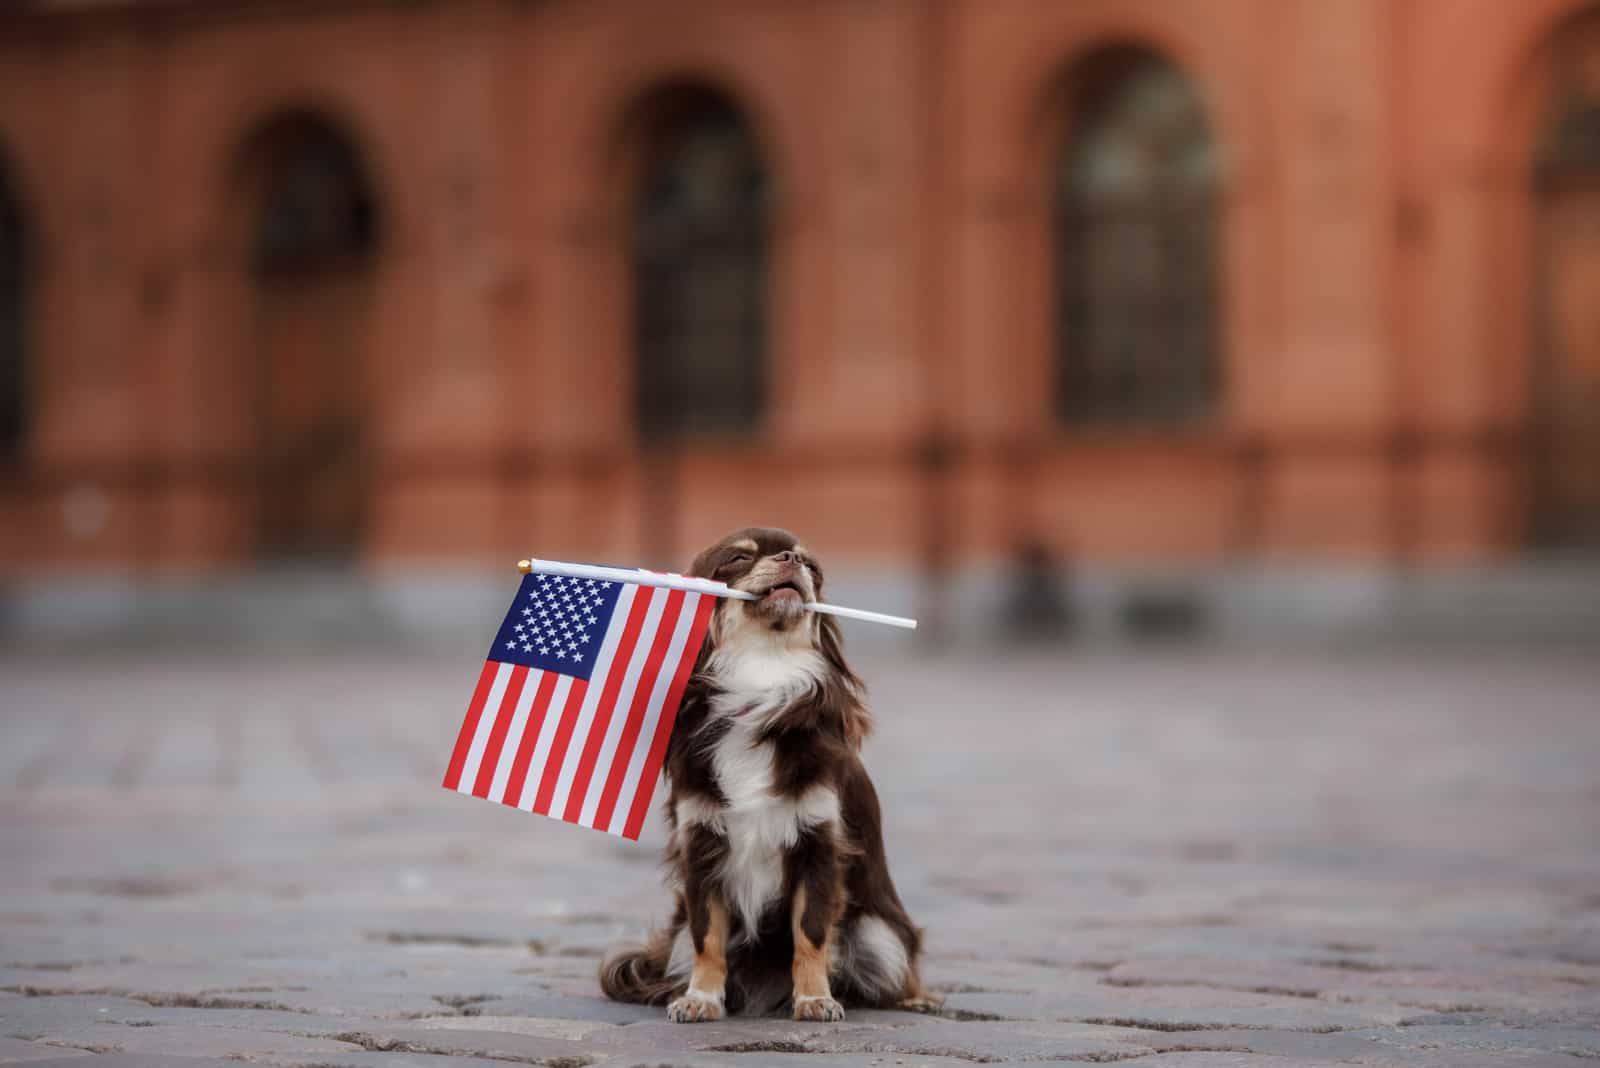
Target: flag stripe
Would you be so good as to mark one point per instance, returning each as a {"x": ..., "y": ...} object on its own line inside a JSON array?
[
  {"x": 513, "y": 738},
  {"x": 569, "y": 692},
  {"x": 597, "y": 716},
  {"x": 556, "y": 763},
  {"x": 646, "y": 701},
  {"x": 469, "y": 726},
  {"x": 663, "y": 728},
  {"x": 636, "y": 686},
  {"x": 497, "y": 735},
  {"x": 480, "y": 737},
  {"x": 511, "y": 794}
]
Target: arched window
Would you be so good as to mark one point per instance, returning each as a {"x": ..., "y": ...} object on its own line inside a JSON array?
[
  {"x": 1136, "y": 244},
  {"x": 316, "y": 210},
  {"x": 312, "y": 234},
  {"x": 13, "y": 322},
  {"x": 1566, "y": 373},
  {"x": 700, "y": 255}
]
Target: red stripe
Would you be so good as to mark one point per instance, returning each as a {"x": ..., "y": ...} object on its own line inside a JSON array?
[
  {"x": 608, "y": 703},
  {"x": 497, "y": 736},
  {"x": 669, "y": 715},
  {"x": 558, "y": 746},
  {"x": 469, "y": 726},
  {"x": 530, "y": 737},
  {"x": 636, "y": 713}
]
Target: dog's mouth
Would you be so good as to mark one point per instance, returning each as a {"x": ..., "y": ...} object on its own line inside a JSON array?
[{"x": 785, "y": 591}]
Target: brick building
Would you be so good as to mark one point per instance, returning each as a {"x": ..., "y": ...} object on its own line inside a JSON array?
[{"x": 1193, "y": 281}]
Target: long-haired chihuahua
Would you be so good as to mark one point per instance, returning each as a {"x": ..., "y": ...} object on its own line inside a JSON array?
[{"x": 776, "y": 853}]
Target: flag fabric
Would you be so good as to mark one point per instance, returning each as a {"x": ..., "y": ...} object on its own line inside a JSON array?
[{"x": 572, "y": 711}]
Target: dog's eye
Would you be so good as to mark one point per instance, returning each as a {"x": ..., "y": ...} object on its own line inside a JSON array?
[{"x": 736, "y": 560}]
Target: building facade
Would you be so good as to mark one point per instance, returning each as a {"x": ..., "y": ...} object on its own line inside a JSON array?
[{"x": 1202, "y": 281}]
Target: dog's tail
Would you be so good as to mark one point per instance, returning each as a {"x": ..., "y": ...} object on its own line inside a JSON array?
[{"x": 641, "y": 975}]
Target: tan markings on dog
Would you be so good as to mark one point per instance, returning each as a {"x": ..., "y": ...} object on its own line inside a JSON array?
[
  {"x": 711, "y": 963},
  {"x": 748, "y": 544},
  {"x": 812, "y": 998},
  {"x": 704, "y": 998}
]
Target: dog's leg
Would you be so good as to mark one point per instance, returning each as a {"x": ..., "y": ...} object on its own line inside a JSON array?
[
  {"x": 708, "y": 927},
  {"x": 707, "y": 916},
  {"x": 812, "y": 943},
  {"x": 813, "y": 876}
]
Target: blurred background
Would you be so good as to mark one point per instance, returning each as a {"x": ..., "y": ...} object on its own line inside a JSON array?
[
  {"x": 1087, "y": 317},
  {"x": 1218, "y": 381}
]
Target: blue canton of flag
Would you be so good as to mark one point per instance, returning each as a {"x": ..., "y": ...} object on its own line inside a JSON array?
[{"x": 556, "y": 624}]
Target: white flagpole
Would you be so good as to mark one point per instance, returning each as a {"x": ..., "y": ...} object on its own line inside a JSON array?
[{"x": 693, "y": 585}]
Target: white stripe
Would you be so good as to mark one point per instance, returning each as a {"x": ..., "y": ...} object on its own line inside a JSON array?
[
  {"x": 541, "y": 748},
  {"x": 591, "y": 698},
  {"x": 513, "y": 739},
  {"x": 624, "y": 702},
  {"x": 480, "y": 738},
  {"x": 652, "y": 714}
]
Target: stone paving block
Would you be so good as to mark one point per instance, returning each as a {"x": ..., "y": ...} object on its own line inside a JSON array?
[
  {"x": 570, "y": 1030},
  {"x": 490, "y": 1045},
  {"x": 188, "y": 1041},
  {"x": 133, "y": 1060},
  {"x": 1006, "y": 1040},
  {"x": 1227, "y": 1059},
  {"x": 368, "y": 1059},
  {"x": 1178, "y": 1008},
  {"x": 1387, "y": 1046},
  {"x": 759, "y": 1055},
  {"x": 592, "y": 1006},
  {"x": 1491, "y": 1034},
  {"x": 18, "y": 1051},
  {"x": 1450, "y": 991}
]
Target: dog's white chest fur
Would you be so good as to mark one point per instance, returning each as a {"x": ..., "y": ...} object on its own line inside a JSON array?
[{"x": 758, "y": 823}]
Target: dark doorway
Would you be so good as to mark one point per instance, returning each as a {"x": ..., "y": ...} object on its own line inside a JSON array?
[
  {"x": 312, "y": 257},
  {"x": 700, "y": 257},
  {"x": 13, "y": 323},
  {"x": 1565, "y": 430},
  {"x": 1136, "y": 246}
]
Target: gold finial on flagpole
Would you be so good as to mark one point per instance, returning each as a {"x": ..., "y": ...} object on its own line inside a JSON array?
[{"x": 524, "y": 566}]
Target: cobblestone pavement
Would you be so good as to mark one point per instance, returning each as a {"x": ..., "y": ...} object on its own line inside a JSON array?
[{"x": 1197, "y": 858}]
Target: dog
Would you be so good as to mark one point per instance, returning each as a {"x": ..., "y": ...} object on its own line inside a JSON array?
[{"x": 775, "y": 854}]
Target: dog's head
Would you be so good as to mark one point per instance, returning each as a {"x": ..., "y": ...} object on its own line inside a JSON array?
[
  {"x": 773, "y": 565},
  {"x": 785, "y": 576}
]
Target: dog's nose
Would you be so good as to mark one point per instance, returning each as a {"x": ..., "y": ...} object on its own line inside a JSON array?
[{"x": 786, "y": 557}]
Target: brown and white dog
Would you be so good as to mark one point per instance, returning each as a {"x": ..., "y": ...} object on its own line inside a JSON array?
[{"x": 776, "y": 852}]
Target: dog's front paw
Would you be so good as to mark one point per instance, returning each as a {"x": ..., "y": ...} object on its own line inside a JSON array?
[
  {"x": 695, "y": 1007},
  {"x": 817, "y": 1008}
]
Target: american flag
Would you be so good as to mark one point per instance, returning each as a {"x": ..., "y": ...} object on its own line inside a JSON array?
[{"x": 573, "y": 709}]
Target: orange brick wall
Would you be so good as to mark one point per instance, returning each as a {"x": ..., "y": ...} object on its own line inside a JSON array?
[{"x": 1374, "y": 276}]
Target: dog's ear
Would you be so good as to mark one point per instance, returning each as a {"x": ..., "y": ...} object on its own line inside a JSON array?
[{"x": 857, "y": 721}]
